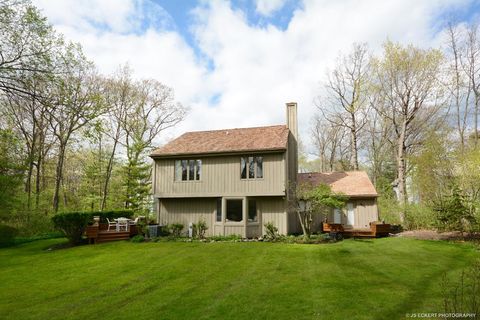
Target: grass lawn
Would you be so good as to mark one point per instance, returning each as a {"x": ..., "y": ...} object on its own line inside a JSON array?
[{"x": 352, "y": 279}]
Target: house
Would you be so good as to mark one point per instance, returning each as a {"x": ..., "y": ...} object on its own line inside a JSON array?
[
  {"x": 235, "y": 180},
  {"x": 361, "y": 207}
]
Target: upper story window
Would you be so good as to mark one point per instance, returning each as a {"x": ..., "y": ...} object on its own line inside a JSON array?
[
  {"x": 188, "y": 170},
  {"x": 251, "y": 167}
]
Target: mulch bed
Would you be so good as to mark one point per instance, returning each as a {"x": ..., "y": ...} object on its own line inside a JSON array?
[{"x": 435, "y": 235}]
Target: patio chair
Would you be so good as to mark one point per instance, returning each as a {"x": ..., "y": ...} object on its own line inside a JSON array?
[
  {"x": 111, "y": 224},
  {"x": 137, "y": 219},
  {"x": 134, "y": 222}
]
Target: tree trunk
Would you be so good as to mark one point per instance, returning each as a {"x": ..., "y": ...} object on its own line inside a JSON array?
[
  {"x": 401, "y": 171},
  {"x": 302, "y": 223},
  {"x": 109, "y": 173},
  {"x": 58, "y": 176},
  {"x": 354, "y": 161}
]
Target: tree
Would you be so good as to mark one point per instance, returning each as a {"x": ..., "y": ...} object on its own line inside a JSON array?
[
  {"x": 79, "y": 102},
  {"x": 154, "y": 110},
  {"x": 347, "y": 96},
  {"x": 310, "y": 200},
  {"x": 26, "y": 46},
  {"x": 330, "y": 147},
  {"x": 11, "y": 171},
  {"x": 28, "y": 114},
  {"x": 407, "y": 79},
  {"x": 452, "y": 213},
  {"x": 120, "y": 94}
]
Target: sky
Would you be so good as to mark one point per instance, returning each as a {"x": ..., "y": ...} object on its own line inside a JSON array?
[{"x": 236, "y": 63}]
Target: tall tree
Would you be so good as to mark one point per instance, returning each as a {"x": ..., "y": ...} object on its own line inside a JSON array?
[
  {"x": 347, "y": 96},
  {"x": 154, "y": 110},
  {"x": 407, "y": 79},
  {"x": 26, "y": 46},
  {"x": 78, "y": 103},
  {"x": 120, "y": 94}
]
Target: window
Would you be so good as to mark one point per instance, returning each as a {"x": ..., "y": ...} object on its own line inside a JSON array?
[
  {"x": 219, "y": 210},
  {"x": 251, "y": 167},
  {"x": 188, "y": 170},
  {"x": 234, "y": 210},
  {"x": 252, "y": 210}
]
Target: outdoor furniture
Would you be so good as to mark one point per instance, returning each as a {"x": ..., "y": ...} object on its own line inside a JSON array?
[
  {"x": 122, "y": 223},
  {"x": 134, "y": 222},
  {"x": 111, "y": 224}
]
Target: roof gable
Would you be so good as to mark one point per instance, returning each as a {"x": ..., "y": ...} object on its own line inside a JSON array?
[
  {"x": 270, "y": 138},
  {"x": 350, "y": 183}
]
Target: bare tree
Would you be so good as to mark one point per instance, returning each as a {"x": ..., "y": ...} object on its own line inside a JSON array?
[
  {"x": 347, "y": 90},
  {"x": 154, "y": 110},
  {"x": 472, "y": 67},
  {"x": 330, "y": 147},
  {"x": 460, "y": 84},
  {"x": 120, "y": 94}
]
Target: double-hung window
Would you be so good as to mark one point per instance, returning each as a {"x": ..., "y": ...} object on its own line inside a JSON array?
[
  {"x": 188, "y": 170},
  {"x": 251, "y": 167}
]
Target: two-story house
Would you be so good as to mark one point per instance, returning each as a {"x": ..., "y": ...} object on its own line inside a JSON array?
[{"x": 235, "y": 179}]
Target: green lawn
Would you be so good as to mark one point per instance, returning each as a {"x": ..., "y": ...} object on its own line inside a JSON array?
[{"x": 353, "y": 279}]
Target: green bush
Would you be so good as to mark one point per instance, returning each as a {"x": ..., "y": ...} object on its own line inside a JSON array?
[
  {"x": 176, "y": 229},
  {"x": 31, "y": 224},
  {"x": 453, "y": 214},
  {"x": 7, "y": 235},
  {"x": 271, "y": 232},
  {"x": 418, "y": 217},
  {"x": 138, "y": 238},
  {"x": 199, "y": 229},
  {"x": 72, "y": 224}
]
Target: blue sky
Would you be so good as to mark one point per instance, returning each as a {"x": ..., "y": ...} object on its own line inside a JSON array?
[{"x": 236, "y": 64}]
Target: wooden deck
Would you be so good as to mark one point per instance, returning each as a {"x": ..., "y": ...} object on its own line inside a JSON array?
[
  {"x": 376, "y": 230},
  {"x": 100, "y": 233}
]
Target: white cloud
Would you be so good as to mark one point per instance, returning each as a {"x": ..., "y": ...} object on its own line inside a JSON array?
[
  {"x": 267, "y": 7},
  {"x": 255, "y": 69}
]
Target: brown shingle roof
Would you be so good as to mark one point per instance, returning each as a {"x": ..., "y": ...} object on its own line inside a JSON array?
[
  {"x": 225, "y": 141},
  {"x": 351, "y": 183}
]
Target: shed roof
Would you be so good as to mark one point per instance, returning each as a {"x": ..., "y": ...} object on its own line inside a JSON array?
[
  {"x": 351, "y": 183},
  {"x": 271, "y": 138}
]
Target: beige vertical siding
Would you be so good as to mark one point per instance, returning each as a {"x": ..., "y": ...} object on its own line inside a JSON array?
[
  {"x": 221, "y": 177},
  {"x": 273, "y": 210},
  {"x": 187, "y": 210},
  {"x": 365, "y": 211},
  {"x": 192, "y": 210}
]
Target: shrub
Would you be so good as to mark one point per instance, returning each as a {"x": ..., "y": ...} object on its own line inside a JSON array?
[
  {"x": 453, "y": 213},
  {"x": 72, "y": 224},
  {"x": 138, "y": 238},
  {"x": 199, "y": 229},
  {"x": 31, "y": 224},
  {"x": 271, "y": 232},
  {"x": 176, "y": 229},
  {"x": 7, "y": 235},
  {"x": 418, "y": 216},
  {"x": 463, "y": 295}
]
